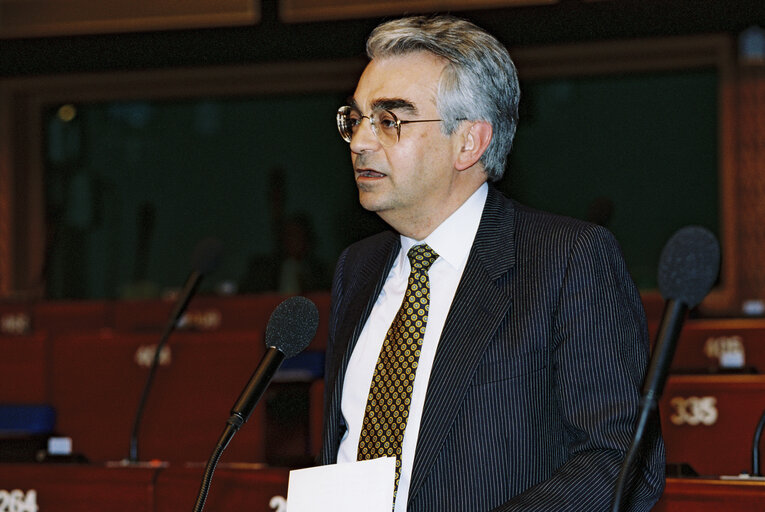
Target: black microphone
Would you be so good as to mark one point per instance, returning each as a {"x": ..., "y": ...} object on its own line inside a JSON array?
[
  {"x": 205, "y": 260},
  {"x": 290, "y": 329},
  {"x": 688, "y": 267}
]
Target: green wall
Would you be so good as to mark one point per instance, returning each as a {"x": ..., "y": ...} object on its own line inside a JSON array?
[{"x": 646, "y": 142}]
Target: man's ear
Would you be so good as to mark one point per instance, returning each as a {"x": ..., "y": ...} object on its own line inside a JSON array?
[{"x": 474, "y": 142}]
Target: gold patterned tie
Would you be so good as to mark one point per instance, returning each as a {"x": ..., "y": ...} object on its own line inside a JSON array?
[{"x": 387, "y": 411}]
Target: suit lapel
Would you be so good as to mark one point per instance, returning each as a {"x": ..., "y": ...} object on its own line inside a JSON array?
[
  {"x": 362, "y": 293},
  {"x": 479, "y": 305},
  {"x": 372, "y": 274}
]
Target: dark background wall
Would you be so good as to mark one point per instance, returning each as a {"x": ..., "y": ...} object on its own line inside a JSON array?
[
  {"x": 206, "y": 165},
  {"x": 273, "y": 40}
]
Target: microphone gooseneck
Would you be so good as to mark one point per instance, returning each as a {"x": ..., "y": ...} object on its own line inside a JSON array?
[
  {"x": 205, "y": 260},
  {"x": 290, "y": 329},
  {"x": 756, "y": 446},
  {"x": 688, "y": 267}
]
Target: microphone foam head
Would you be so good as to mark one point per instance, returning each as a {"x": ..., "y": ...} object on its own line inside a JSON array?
[
  {"x": 689, "y": 265},
  {"x": 207, "y": 256},
  {"x": 292, "y": 326}
]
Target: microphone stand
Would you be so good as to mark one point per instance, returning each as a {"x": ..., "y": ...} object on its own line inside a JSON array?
[
  {"x": 756, "y": 446},
  {"x": 232, "y": 427},
  {"x": 188, "y": 291},
  {"x": 656, "y": 377},
  {"x": 291, "y": 327},
  {"x": 240, "y": 413}
]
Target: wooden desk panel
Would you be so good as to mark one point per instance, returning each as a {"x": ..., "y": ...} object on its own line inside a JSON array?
[
  {"x": 708, "y": 421},
  {"x": 705, "y": 343},
  {"x": 233, "y": 487},
  {"x": 15, "y": 318},
  {"x": 711, "y": 495},
  {"x": 23, "y": 369},
  {"x": 66, "y": 316},
  {"x": 209, "y": 313},
  {"x": 54, "y": 316},
  {"x": 204, "y": 313},
  {"x": 74, "y": 488},
  {"x": 98, "y": 378}
]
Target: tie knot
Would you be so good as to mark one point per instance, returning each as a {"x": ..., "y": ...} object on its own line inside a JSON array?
[{"x": 421, "y": 257}]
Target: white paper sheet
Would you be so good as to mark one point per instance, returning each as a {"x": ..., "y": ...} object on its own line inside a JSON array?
[{"x": 348, "y": 487}]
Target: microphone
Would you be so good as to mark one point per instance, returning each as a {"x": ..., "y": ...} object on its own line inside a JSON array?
[
  {"x": 290, "y": 329},
  {"x": 205, "y": 259},
  {"x": 688, "y": 267}
]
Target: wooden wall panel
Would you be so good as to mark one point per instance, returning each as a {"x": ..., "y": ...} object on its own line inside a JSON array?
[
  {"x": 751, "y": 203},
  {"x": 34, "y": 18},
  {"x": 6, "y": 184},
  {"x": 22, "y": 233},
  {"x": 316, "y": 10}
]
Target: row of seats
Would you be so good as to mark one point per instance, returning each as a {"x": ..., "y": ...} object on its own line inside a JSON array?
[
  {"x": 89, "y": 361},
  {"x": 204, "y": 313}
]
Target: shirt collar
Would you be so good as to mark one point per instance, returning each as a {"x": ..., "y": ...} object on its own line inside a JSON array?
[{"x": 453, "y": 238}]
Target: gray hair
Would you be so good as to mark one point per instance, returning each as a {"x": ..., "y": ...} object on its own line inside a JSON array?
[{"x": 479, "y": 82}]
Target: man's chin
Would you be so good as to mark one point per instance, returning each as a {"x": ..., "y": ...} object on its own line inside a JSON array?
[
  {"x": 371, "y": 206},
  {"x": 371, "y": 201}
]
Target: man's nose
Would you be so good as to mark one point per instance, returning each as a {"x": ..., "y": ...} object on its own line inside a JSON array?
[{"x": 364, "y": 138}]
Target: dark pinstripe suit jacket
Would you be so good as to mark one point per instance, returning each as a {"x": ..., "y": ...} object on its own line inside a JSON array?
[{"x": 536, "y": 382}]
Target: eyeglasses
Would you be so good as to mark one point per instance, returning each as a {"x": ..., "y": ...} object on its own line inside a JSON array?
[{"x": 385, "y": 125}]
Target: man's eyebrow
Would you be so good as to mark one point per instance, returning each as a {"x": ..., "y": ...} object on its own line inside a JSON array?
[
  {"x": 387, "y": 104},
  {"x": 394, "y": 104}
]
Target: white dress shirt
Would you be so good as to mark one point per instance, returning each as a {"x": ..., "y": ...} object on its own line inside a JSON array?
[{"x": 452, "y": 241}]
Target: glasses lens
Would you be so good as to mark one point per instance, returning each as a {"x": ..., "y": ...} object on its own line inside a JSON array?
[
  {"x": 387, "y": 127},
  {"x": 347, "y": 121}
]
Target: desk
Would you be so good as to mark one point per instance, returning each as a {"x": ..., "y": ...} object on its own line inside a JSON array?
[
  {"x": 204, "y": 313},
  {"x": 24, "y": 368},
  {"x": 711, "y": 495},
  {"x": 208, "y": 313},
  {"x": 708, "y": 421},
  {"x": 705, "y": 343},
  {"x": 97, "y": 381},
  {"x": 234, "y": 487},
  {"x": 74, "y": 488},
  {"x": 71, "y": 315}
]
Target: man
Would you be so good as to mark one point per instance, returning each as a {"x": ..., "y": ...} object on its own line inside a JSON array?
[{"x": 521, "y": 380}]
